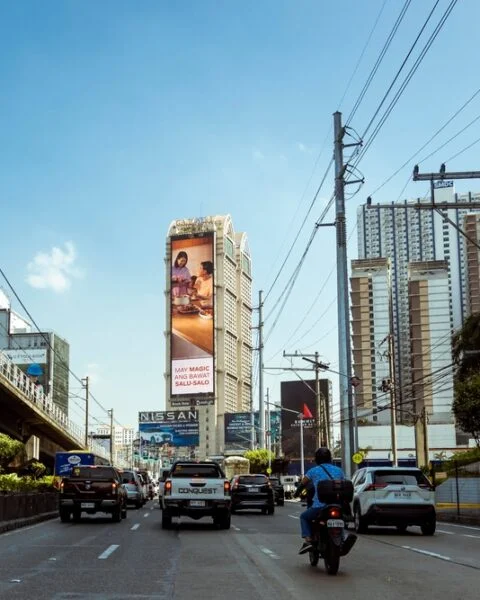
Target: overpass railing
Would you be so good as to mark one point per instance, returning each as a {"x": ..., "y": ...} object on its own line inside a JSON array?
[{"x": 34, "y": 395}]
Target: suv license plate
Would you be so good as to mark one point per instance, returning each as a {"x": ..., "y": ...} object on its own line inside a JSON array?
[
  {"x": 87, "y": 505},
  {"x": 335, "y": 523},
  {"x": 197, "y": 502},
  {"x": 252, "y": 488},
  {"x": 402, "y": 494}
]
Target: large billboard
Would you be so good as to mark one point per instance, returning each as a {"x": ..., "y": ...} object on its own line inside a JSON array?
[
  {"x": 238, "y": 427},
  {"x": 296, "y": 396},
  {"x": 175, "y": 428},
  {"x": 192, "y": 301}
]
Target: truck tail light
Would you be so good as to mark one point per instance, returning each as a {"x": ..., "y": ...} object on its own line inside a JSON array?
[
  {"x": 226, "y": 487},
  {"x": 168, "y": 488}
]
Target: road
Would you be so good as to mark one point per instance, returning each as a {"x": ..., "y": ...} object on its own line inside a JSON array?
[{"x": 256, "y": 559}]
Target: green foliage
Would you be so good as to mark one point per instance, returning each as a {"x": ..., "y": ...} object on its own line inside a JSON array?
[
  {"x": 466, "y": 406},
  {"x": 37, "y": 469},
  {"x": 364, "y": 451},
  {"x": 259, "y": 460},
  {"x": 464, "y": 342},
  {"x": 13, "y": 483},
  {"x": 9, "y": 448}
]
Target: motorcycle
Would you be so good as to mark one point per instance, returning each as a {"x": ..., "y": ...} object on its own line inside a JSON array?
[{"x": 329, "y": 538}]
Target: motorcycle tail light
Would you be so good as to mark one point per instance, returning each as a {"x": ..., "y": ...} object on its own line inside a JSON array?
[{"x": 334, "y": 512}]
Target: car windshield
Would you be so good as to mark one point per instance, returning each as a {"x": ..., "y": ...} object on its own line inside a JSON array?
[
  {"x": 194, "y": 470},
  {"x": 253, "y": 480},
  {"x": 94, "y": 473},
  {"x": 396, "y": 477}
]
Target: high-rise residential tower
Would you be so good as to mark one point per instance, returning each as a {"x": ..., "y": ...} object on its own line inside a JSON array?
[
  {"x": 406, "y": 236},
  {"x": 209, "y": 324}
]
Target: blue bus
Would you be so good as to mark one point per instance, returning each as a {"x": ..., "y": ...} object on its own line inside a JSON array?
[{"x": 65, "y": 461}]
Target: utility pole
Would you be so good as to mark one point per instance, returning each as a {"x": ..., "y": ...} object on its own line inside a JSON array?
[
  {"x": 85, "y": 385},
  {"x": 393, "y": 403},
  {"x": 421, "y": 438},
  {"x": 322, "y": 420},
  {"x": 261, "y": 403},
  {"x": 344, "y": 342},
  {"x": 269, "y": 434},
  {"x": 112, "y": 437}
]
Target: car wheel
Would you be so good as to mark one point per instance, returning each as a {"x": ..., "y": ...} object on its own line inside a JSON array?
[
  {"x": 281, "y": 502},
  {"x": 428, "y": 528},
  {"x": 138, "y": 505},
  {"x": 166, "y": 521},
  {"x": 233, "y": 510},
  {"x": 271, "y": 510},
  {"x": 360, "y": 523},
  {"x": 401, "y": 528},
  {"x": 124, "y": 512},
  {"x": 117, "y": 514},
  {"x": 77, "y": 514},
  {"x": 64, "y": 515}
]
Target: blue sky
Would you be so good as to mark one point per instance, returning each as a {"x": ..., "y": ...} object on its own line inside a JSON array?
[{"x": 119, "y": 117}]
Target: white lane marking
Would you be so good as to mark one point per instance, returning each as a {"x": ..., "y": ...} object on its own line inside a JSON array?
[
  {"x": 477, "y": 537},
  {"x": 269, "y": 553},
  {"x": 108, "y": 551},
  {"x": 236, "y": 528},
  {"x": 447, "y": 532},
  {"x": 152, "y": 507},
  {"x": 136, "y": 526},
  {"x": 432, "y": 554},
  {"x": 146, "y": 515},
  {"x": 293, "y": 516},
  {"x": 463, "y": 526}
]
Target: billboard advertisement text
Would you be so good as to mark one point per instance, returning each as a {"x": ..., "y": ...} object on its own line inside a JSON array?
[
  {"x": 238, "y": 427},
  {"x": 294, "y": 395},
  {"x": 174, "y": 428},
  {"x": 192, "y": 304}
]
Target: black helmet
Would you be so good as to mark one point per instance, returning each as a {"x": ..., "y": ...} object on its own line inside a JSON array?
[{"x": 323, "y": 455}]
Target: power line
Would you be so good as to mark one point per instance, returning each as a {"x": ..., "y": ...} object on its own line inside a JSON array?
[
  {"x": 42, "y": 334},
  {"x": 379, "y": 60}
]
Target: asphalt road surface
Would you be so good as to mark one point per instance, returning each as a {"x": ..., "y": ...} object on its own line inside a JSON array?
[{"x": 256, "y": 559}]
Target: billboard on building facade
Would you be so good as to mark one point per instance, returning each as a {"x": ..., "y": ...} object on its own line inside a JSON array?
[
  {"x": 295, "y": 395},
  {"x": 174, "y": 428},
  {"x": 238, "y": 427},
  {"x": 192, "y": 301}
]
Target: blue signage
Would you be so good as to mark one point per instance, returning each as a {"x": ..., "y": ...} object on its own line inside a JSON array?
[{"x": 173, "y": 433}]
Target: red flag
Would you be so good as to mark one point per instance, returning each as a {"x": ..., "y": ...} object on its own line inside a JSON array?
[{"x": 306, "y": 412}]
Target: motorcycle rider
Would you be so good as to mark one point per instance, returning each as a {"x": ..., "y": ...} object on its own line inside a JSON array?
[{"x": 324, "y": 468}]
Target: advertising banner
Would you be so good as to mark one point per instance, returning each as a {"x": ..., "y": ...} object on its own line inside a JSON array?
[
  {"x": 175, "y": 428},
  {"x": 299, "y": 396},
  {"x": 192, "y": 301},
  {"x": 238, "y": 427}
]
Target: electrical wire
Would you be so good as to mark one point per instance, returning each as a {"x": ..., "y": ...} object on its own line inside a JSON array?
[{"x": 42, "y": 334}]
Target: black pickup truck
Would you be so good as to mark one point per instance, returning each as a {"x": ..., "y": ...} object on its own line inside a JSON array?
[{"x": 92, "y": 489}]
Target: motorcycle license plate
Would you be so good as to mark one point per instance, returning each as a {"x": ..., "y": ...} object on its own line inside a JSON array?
[
  {"x": 197, "y": 502},
  {"x": 335, "y": 523},
  {"x": 87, "y": 505}
]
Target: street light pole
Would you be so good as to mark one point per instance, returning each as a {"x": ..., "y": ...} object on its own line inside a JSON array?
[{"x": 85, "y": 385}]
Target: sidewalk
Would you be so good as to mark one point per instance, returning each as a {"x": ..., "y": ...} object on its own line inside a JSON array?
[{"x": 17, "y": 523}]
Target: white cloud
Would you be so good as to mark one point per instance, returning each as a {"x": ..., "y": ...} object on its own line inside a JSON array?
[
  {"x": 304, "y": 148},
  {"x": 54, "y": 270},
  {"x": 257, "y": 155}
]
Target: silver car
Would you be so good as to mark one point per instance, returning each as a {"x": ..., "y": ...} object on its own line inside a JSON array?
[{"x": 134, "y": 488}]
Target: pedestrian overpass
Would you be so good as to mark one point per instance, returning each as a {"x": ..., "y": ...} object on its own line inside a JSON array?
[{"x": 28, "y": 415}]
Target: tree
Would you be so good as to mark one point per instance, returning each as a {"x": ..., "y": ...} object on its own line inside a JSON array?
[
  {"x": 9, "y": 448},
  {"x": 466, "y": 406},
  {"x": 259, "y": 460},
  {"x": 466, "y": 348}
]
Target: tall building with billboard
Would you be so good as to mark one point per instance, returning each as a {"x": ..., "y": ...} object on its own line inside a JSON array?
[
  {"x": 209, "y": 321},
  {"x": 46, "y": 349}
]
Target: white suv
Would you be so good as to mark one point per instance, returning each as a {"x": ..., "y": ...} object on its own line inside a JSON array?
[{"x": 400, "y": 496}]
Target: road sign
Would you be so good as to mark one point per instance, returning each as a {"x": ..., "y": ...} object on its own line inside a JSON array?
[{"x": 357, "y": 458}]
